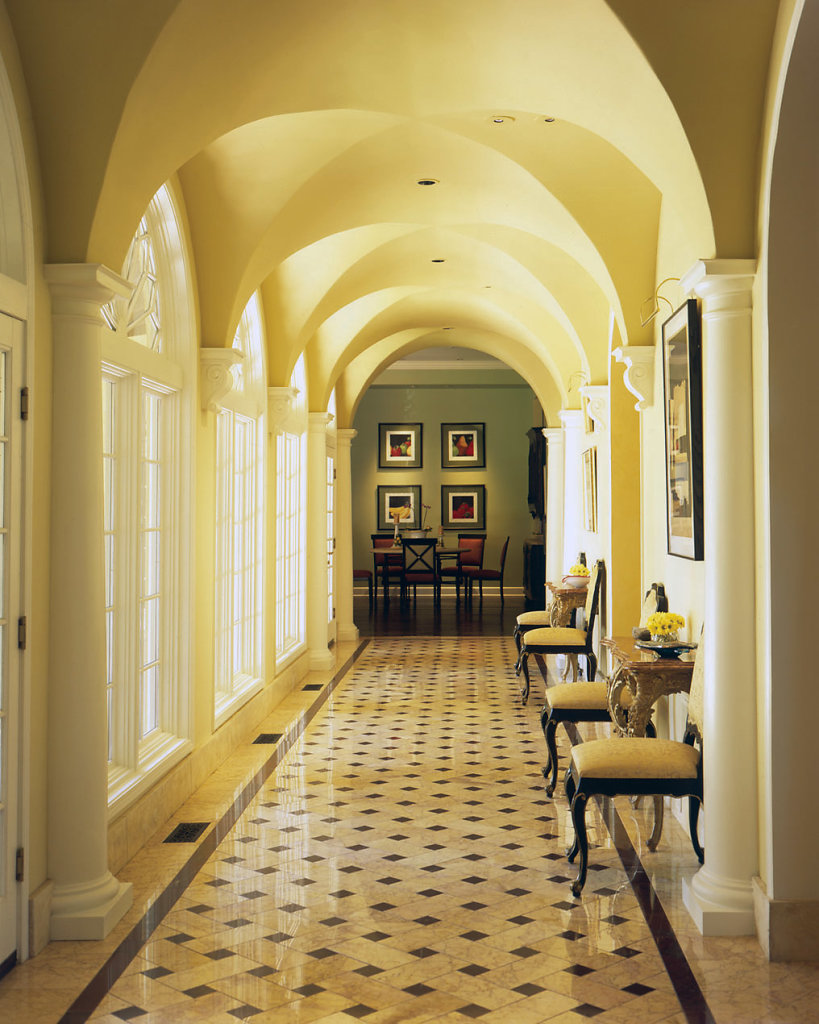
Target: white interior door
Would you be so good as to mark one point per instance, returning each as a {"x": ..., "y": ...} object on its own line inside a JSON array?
[{"x": 11, "y": 342}]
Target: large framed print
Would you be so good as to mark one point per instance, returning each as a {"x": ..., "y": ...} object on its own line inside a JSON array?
[
  {"x": 463, "y": 508},
  {"x": 682, "y": 389},
  {"x": 590, "y": 490},
  {"x": 399, "y": 446},
  {"x": 462, "y": 445},
  {"x": 403, "y": 502}
]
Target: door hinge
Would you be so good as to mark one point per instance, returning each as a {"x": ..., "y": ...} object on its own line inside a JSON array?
[
  {"x": 22, "y": 633},
  {"x": 335, "y": 474},
  {"x": 23, "y": 403},
  {"x": 20, "y": 865}
]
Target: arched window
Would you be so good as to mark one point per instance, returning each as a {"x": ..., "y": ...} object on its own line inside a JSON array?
[
  {"x": 147, "y": 423},
  {"x": 240, "y": 465},
  {"x": 291, "y": 524}
]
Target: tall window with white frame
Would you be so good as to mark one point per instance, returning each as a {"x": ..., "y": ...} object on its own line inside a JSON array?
[
  {"x": 240, "y": 437},
  {"x": 147, "y": 424},
  {"x": 291, "y": 526}
]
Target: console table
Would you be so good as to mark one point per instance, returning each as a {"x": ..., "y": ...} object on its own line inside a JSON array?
[
  {"x": 565, "y": 602},
  {"x": 647, "y": 676}
]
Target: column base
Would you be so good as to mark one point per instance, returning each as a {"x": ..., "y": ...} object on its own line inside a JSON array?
[
  {"x": 719, "y": 906},
  {"x": 89, "y": 910},
  {"x": 348, "y": 634},
  {"x": 320, "y": 659}
]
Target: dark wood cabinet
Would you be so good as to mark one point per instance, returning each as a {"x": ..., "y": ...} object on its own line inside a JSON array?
[{"x": 534, "y": 571}]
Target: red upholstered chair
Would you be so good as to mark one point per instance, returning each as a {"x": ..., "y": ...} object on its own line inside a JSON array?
[
  {"x": 470, "y": 555},
  {"x": 479, "y": 573},
  {"x": 419, "y": 567}
]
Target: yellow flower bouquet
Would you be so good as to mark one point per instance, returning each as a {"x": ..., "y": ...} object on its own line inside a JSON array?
[
  {"x": 578, "y": 570},
  {"x": 664, "y": 625}
]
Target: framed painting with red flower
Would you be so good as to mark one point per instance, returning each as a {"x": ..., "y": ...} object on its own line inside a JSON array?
[
  {"x": 399, "y": 446},
  {"x": 463, "y": 508},
  {"x": 462, "y": 446}
]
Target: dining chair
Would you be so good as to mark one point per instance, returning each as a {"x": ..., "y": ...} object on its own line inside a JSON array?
[
  {"x": 387, "y": 566},
  {"x": 365, "y": 574},
  {"x": 470, "y": 554},
  {"x": 547, "y": 640},
  {"x": 588, "y": 701},
  {"x": 479, "y": 573},
  {"x": 639, "y": 766},
  {"x": 419, "y": 566}
]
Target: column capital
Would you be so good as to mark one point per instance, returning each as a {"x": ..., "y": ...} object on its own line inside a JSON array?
[
  {"x": 553, "y": 435},
  {"x": 215, "y": 379},
  {"x": 713, "y": 279},
  {"x": 638, "y": 375},
  {"x": 572, "y": 419},
  {"x": 79, "y": 290},
  {"x": 346, "y": 435},
  {"x": 598, "y": 397},
  {"x": 318, "y": 422}
]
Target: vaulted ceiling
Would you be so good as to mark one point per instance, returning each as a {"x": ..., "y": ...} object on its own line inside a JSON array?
[{"x": 578, "y": 152}]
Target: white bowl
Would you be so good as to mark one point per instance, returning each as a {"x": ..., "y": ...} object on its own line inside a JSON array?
[{"x": 576, "y": 581}]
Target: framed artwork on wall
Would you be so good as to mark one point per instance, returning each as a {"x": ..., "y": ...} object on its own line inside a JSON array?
[
  {"x": 682, "y": 389},
  {"x": 463, "y": 508},
  {"x": 462, "y": 445},
  {"x": 403, "y": 502},
  {"x": 399, "y": 445},
  {"x": 590, "y": 490}
]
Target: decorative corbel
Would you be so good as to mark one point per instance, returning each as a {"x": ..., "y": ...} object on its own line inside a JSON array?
[
  {"x": 215, "y": 379},
  {"x": 597, "y": 403},
  {"x": 280, "y": 403},
  {"x": 638, "y": 375}
]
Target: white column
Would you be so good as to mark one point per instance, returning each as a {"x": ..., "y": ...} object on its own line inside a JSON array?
[
  {"x": 88, "y": 901},
  {"x": 573, "y": 431},
  {"x": 720, "y": 897},
  {"x": 347, "y": 629},
  {"x": 320, "y": 657},
  {"x": 279, "y": 405},
  {"x": 554, "y": 503}
]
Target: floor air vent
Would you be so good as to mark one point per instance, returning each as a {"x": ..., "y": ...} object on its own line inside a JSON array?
[
  {"x": 268, "y": 737},
  {"x": 187, "y": 832},
  {"x": 312, "y": 686}
]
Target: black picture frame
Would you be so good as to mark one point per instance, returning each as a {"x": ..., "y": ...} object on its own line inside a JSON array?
[
  {"x": 463, "y": 445},
  {"x": 392, "y": 438},
  {"x": 389, "y": 496},
  {"x": 463, "y": 507},
  {"x": 682, "y": 415}
]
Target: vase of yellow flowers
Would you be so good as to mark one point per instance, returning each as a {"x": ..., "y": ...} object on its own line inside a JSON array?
[
  {"x": 665, "y": 626},
  {"x": 577, "y": 576}
]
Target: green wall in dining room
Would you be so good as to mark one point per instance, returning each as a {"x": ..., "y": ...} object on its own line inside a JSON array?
[{"x": 502, "y": 401}]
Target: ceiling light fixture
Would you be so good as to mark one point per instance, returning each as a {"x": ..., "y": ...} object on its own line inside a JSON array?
[
  {"x": 439, "y": 259},
  {"x": 549, "y": 120},
  {"x": 427, "y": 181},
  {"x": 502, "y": 118}
]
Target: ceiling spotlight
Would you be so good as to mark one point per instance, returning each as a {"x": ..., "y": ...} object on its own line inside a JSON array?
[
  {"x": 502, "y": 119},
  {"x": 549, "y": 120},
  {"x": 446, "y": 328},
  {"x": 427, "y": 181},
  {"x": 439, "y": 259}
]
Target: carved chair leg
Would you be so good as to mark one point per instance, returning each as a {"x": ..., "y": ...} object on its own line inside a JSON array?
[
  {"x": 591, "y": 666},
  {"x": 571, "y": 788},
  {"x": 581, "y": 840},
  {"x": 524, "y": 658},
  {"x": 693, "y": 819},
  {"x": 549, "y": 734},
  {"x": 657, "y": 831}
]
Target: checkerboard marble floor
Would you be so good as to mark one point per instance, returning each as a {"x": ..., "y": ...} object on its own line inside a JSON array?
[{"x": 401, "y": 863}]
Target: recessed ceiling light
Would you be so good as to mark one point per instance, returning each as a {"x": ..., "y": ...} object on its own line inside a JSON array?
[
  {"x": 446, "y": 328},
  {"x": 549, "y": 120},
  {"x": 502, "y": 119},
  {"x": 439, "y": 259},
  {"x": 427, "y": 181}
]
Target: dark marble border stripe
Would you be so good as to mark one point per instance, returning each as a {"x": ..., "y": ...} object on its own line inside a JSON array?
[
  {"x": 102, "y": 983},
  {"x": 691, "y": 997}
]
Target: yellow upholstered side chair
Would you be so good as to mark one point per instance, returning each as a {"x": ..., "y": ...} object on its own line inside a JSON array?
[
  {"x": 587, "y": 701},
  {"x": 639, "y": 766},
  {"x": 566, "y": 639}
]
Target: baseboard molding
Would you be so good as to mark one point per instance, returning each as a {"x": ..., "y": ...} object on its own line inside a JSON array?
[
  {"x": 131, "y": 830},
  {"x": 788, "y": 930}
]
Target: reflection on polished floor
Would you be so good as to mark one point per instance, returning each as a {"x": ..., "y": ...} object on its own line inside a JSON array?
[{"x": 393, "y": 859}]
